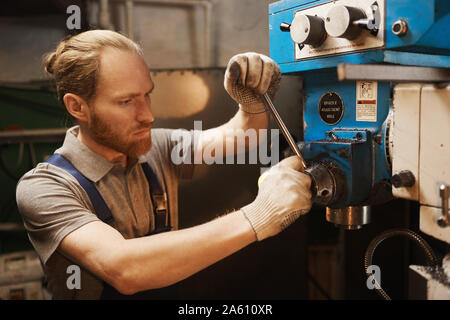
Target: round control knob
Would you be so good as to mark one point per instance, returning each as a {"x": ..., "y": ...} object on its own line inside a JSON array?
[
  {"x": 339, "y": 22},
  {"x": 404, "y": 178},
  {"x": 308, "y": 30}
]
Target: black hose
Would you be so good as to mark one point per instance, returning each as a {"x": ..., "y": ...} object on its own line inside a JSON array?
[{"x": 432, "y": 259}]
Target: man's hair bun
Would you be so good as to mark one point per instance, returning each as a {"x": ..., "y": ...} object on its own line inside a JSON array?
[{"x": 49, "y": 62}]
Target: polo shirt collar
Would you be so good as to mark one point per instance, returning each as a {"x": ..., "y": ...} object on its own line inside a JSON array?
[{"x": 92, "y": 165}]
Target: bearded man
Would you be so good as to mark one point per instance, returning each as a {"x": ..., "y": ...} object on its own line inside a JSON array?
[{"x": 107, "y": 200}]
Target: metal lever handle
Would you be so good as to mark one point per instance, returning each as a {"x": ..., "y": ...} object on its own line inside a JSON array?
[
  {"x": 283, "y": 128},
  {"x": 444, "y": 219}
]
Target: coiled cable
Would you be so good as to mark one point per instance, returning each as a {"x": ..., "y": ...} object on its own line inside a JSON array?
[{"x": 431, "y": 256}]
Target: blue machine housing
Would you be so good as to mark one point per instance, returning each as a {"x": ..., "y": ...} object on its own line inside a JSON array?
[
  {"x": 349, "y": 144},
  {"x": 359, "y": 148},
  {"x": 427, "y": 45}
]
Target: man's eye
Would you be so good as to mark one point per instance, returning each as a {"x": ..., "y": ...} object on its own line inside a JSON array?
[{"x": 127, "y": 101}]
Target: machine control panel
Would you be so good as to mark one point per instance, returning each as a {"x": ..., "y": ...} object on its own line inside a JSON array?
[{"x": 339, "y": 26}]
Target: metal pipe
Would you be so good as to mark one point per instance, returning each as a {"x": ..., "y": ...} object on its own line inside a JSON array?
[
  {"x": 129, "y": 16},
  {"x": 208, "y": 15},
  {"x": 207, "y": 5},
  {"x": 103, "y": 15},
  {"x": 32, "y": 135},
  {"x": 174, "y": 2}
]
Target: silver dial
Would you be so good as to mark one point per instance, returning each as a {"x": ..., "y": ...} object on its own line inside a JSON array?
[{"x": 339, "y": 22}]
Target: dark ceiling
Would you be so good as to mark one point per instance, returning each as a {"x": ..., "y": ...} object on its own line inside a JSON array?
[{"x": 36, "y": 7}]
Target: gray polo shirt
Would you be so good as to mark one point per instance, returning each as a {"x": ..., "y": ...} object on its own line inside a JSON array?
[{"x": 53, "y": 204}]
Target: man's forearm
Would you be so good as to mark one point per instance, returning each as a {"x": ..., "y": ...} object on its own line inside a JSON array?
[
  {"x": 245, "y": 121},
  {"x": 164, "y": 259}
]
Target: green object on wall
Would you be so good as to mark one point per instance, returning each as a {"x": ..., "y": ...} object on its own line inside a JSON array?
[{"x": 24, "y": 108}]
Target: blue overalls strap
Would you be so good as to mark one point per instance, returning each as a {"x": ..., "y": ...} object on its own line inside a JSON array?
[
  {"x": 159, "y": 200},
  {"x": 159, "y": 197},
  {"x": 100, "y": 207}
]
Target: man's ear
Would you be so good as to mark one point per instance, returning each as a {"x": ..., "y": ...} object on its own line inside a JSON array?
[{"x": 76, "y": 106}]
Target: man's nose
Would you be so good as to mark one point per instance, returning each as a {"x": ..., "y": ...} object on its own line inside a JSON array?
[{"x": 144, "y": 113}]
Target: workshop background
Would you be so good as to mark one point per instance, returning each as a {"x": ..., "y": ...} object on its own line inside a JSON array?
[{"x": 187, "y": 45}]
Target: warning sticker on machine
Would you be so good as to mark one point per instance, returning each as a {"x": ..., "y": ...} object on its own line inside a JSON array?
[{"x": 366, "y": 101}]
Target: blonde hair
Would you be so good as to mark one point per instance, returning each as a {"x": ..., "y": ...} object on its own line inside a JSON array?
[{"x": 75, "y": 62}]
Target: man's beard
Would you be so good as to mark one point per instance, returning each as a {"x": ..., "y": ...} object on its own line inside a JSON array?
[{"x": 103, "y": 133}]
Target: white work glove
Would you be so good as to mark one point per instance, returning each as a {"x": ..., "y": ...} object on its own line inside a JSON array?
[
  {"x": 284, "y": 195},
  {"x": 248, "y": 77}
]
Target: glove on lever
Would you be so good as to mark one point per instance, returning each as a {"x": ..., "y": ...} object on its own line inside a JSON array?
[
  {"x": 283, "y": 196},
  {"x": 250, "y": 75}
]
